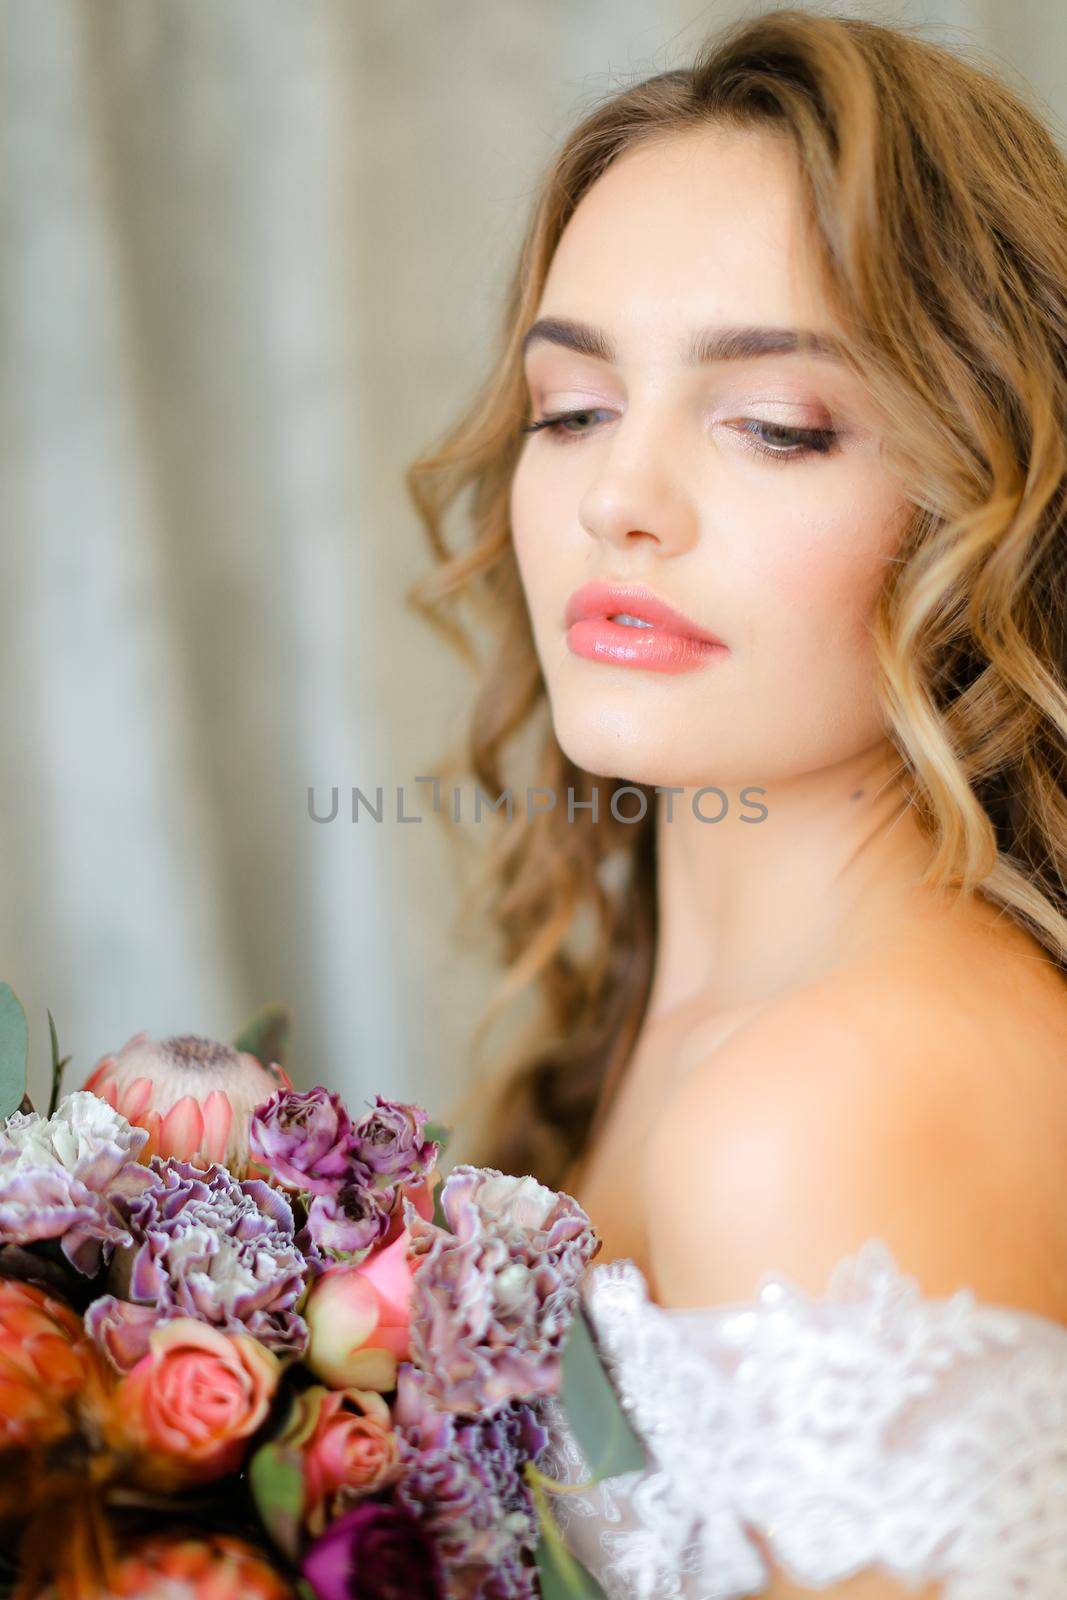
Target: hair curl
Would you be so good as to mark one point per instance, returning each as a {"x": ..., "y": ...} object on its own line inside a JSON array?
[{"x": 939, "y": 202}]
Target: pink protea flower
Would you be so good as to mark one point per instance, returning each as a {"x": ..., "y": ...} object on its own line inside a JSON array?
[{"x": 195, "y": 1096}]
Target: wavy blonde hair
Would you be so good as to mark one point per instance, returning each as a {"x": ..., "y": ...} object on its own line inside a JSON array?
[{"x": 939, "y": 203}]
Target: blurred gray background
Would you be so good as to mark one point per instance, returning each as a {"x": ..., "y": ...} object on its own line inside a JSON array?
[{"x": 252, "y": 251}]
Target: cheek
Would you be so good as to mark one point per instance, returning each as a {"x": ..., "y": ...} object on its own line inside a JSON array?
[
  {"x": 540, "y": 541},
  {"x": 816, "y": 582}
]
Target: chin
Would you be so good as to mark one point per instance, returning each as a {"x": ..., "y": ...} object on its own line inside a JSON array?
[{"x": 625, "y": 751}]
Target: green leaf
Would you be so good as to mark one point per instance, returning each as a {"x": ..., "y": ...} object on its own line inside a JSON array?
[
  {"x": 597, "y": 1419},
  {"x": 303, "y": 1417},
  {"x": 276, "y": 1481},
  {"x": 440, "y": 1132},
  {"x": 562, "y": 1577},
  {"x": 14, "y": 1050},
  {"x": 610, "y": 1447},
  {"x": 266, "y": 1035},
  {"x": 58, "y": 1066}
]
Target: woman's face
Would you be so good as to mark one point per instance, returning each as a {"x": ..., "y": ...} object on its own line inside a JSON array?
[{"x": 659, "y": 481}]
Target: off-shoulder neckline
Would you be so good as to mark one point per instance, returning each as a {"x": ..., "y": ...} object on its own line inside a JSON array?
[{"x": 868, "y": 1274}]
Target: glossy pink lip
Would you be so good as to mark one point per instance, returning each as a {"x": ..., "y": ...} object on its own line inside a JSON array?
[
  {"x": 599, "y": 599},
  {"x": 673, "y": 642}
]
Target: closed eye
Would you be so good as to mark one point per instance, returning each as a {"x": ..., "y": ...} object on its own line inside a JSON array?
[{"x": 799, "y": 442}]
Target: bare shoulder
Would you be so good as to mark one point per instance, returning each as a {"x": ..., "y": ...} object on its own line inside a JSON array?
[{"x": 920, "y": 1098}]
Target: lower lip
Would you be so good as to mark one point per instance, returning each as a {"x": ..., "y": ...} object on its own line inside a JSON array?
[{"x": 653, "y": 649}]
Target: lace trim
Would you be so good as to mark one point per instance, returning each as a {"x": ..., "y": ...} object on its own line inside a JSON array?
[{"x": 871, "y": 1428}]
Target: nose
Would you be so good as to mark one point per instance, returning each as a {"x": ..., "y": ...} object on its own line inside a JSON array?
[{"x": 638, "y": 496}]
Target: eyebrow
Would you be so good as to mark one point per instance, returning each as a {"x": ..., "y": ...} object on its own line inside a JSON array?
[{"x": 705, "y": 345}]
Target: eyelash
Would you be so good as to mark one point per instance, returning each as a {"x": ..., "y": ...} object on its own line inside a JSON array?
[{"x": 806, "y": 441}]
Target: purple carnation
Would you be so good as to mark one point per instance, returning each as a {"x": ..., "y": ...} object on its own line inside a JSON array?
[
  {"x": 463, "y": 1477},
  {"x": 205, "y": 1246},
  {"x": 304, "y": 1140},
  {"x": 375, "y": 1552},
  {"x": 388, "y": 1140},
  {"x": 493, "y": 1300},
  {"x": 64, "y": 1177}
]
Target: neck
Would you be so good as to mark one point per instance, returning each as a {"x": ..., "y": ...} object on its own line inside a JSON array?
[{"x": 747, "y": 909}]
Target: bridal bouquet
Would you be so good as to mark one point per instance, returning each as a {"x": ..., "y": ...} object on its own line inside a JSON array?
[{"x": 253, "y": 1348}]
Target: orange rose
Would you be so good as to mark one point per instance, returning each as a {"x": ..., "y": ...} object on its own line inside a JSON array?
[{"x": 192, "y": 1403}]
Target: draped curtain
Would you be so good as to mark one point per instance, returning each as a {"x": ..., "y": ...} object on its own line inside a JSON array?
[{"x": 252, "y": 255}]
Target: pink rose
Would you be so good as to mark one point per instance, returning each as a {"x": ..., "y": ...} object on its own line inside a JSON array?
[
  {"x": 192, "y": 1403},
  {"x": 359, "y": 1320},
  {"x": 352, "y": 1451}
]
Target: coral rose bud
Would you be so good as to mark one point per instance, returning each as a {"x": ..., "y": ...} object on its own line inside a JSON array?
[
  {"x": 359, "y": 1318},
  {"x": 193, "y": 1402},
  {"x": 353, "y": 1451},
  {"x": 195, "y": 1096},
  {"x": 343, "y": 1445}
]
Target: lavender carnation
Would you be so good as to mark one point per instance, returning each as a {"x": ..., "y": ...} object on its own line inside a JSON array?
[
  {"x": 463, "y": 1477},
  {"x": 64, "y": 1177},
  {"x": 493, "y": 1300},
  {"x": 205, "y": 1246},
  {"x": 388, "y": 1141},
  {"x": 304, "y": 1140}
]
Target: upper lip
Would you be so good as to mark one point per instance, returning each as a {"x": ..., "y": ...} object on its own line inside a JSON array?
[{"x": 599, "y": 599}]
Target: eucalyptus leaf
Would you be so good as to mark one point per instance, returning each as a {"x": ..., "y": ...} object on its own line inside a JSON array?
[
  {"x": 14, "y": 1050},
  {"x": 592, "y": 1407},
  {"x": 276, "y": 1482},
  {"x": 266, "y": 1035},
  {"x": 561, "y": 1577}
]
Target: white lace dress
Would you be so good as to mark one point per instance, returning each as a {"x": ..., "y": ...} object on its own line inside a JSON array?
[{"x": 869, "y": 1428}]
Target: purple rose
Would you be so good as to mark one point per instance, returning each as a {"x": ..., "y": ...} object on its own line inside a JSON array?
[
  {"x": 346, "y": 1224},
  {"x": 375, "y": 1552},
  {"x": 493, "y": 1300},
  {"x": 388, "y": 1140},
  {"x": 304, "y": 1140},
  {"x": 208, "y": 1246}
]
